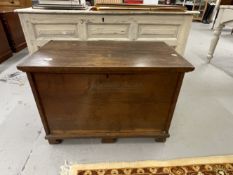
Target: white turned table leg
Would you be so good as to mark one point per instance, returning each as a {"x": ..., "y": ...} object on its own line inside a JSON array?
[{"x": 214, "y": 41}]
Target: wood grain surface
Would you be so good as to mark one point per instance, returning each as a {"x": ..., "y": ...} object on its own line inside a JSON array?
[
  {"x": 70, "y": 56},
  {"x": 5, "y": 50}
]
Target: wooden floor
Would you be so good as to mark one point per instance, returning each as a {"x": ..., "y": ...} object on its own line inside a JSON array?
[{"x": 201, "y": 126}]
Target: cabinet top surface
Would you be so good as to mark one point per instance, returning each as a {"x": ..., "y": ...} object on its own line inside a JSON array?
[
  {"x": 88, "y": 56},
  {"x": 88, "y": 11}
]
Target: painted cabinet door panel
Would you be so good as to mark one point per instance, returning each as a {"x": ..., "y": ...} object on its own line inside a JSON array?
[{"x": 41, "y": 28}]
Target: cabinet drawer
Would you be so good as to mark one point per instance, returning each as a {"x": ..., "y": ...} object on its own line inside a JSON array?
[
  {"x": 158, "y": 31},
  {"x": 56, "y": 30},
  {"x": 108, "y": 30}
]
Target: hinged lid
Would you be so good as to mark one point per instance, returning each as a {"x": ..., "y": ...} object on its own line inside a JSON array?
[{"x": 105, "y": 56}]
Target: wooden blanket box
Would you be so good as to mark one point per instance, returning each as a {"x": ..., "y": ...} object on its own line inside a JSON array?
[{"x": 105, "y": 89}]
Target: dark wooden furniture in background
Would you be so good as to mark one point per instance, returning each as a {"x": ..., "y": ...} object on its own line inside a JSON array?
[
  {"x": 15, "y": 3},
  {"x": 226, "y": 2},
  {"x": 106, "y": 89},
  {"x": 12, "y": 26},
  {"x": 5, "y": 50},
  {"x": 13, "y": 29}
]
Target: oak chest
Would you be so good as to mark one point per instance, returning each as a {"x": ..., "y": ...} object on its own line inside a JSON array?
[{"x": 105, "y": 89}]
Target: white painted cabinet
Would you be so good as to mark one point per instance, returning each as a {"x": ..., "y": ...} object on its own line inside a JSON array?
[{"x": 41, "y": 26}]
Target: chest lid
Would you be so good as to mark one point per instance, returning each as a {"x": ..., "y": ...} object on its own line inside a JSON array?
[{"x": 105, "y": 56}]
